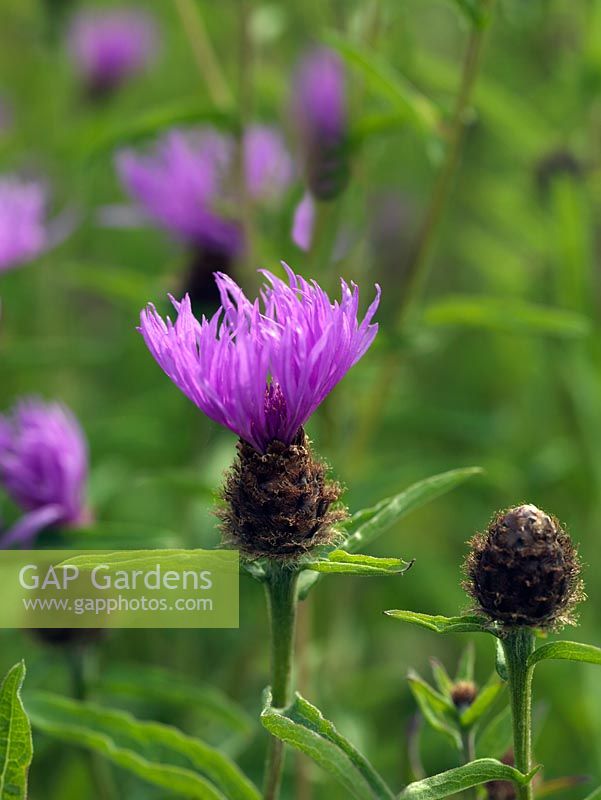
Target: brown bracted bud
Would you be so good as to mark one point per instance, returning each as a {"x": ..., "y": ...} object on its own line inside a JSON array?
[
  {"x": 524, "y": 571},
  {"x": 278, "y": 503},
  {"x": 464, "y": 693}
]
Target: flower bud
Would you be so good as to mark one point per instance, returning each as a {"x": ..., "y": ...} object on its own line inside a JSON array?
[
  {"x": 463, "y": 694},
  {"x": 524, "y": 571},
  {"x": 277, "y": 503},
  {"x": 320, "y": 108}
]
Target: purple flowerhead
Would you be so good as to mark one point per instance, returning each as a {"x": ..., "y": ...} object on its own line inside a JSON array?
[
  {"x": 178, "y": 185},
  {"x": 43, "y": 468},
  {"x": 109, "y": 46},
  {"x": 262, "y": 368},
  {"x": 268, "y": 166},
  {"x": 321, "y": 116},
  {"x": 23, "y": 229}
]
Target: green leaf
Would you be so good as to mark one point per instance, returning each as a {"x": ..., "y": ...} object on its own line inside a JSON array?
[
  {"x": 507, "y": 315},
  {"x": 383, "y": 80},
  {"x": 495, "y": 739},
  {"x": 442, "y": 677},
  {"x": 159, "y": 754},
  {"x": 438, "y": 711},
  {"x": 484, "y": 700},
  {"x": 341, "y": 562},
  {"x": 596, "y": 795},
  {"x": 456, "y": 780},
  {"x": 304, "y": 727},
  {"x": 566, "y": 651},
  {"x": 501, "y": 661},
  {"x": 16, "y": 749},
  {"x": 467, "y": 664},
  {"x": 173, "y": 558},
  {"x": 467, "y": 624},
  {"x": 369, "y": 523},
  {"x": 140, "y": 680}
]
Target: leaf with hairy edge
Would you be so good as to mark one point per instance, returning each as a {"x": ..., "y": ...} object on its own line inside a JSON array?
[
  {"x": 456, "y": 780},
  {"x": 467, "y": 624},
  {"x": 438, "y": 711},
  {"x": 484, "y": 700},
  {"x": 566, "y": 651},
  {"x": 507, "y": 315},
  {"x": 341, "y": 562},
  {"x": 367, "y": 524},
  {"x": 16, "y": 749},
  {"x": 383, "y": 79},
  {"x": 140, "y": 680},
  {"x": 303, "y": 726},
  {"x": 159, "y": 754}
]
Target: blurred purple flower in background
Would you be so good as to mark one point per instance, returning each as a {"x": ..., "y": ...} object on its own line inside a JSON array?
[
  {"x": 178, "y": 184},
  {"x": 23, "y": 228},
  {"x": 187, "y": 185},
  {"x": 43, "y": 468},
  {"x": 321, "y": 116},
  {"x": 262, "y": 368},
  {"x": 268, "y": 166},
  {"x": 110, "y": 46}
]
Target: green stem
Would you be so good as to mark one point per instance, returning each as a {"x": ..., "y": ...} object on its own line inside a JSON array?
[
  {"x": 468, "y": 741},
  {"x": 518, "y": 645},
  {"x": 282, "y": 600}
]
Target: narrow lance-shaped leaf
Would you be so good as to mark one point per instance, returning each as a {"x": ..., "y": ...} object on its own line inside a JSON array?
[
  {"x": 303, "y": 727},
  {"x": 566, "y": 651},
  {"x": 456, "y": 780},
  {"x": 466, "y": 667},
  {"x": 366, "y": 525},
  {"x": 484, "y": 700},
  {"x": 441, "y": 676},
  {"x": 436, "y": 709},
  {"x": 466, "y": 624},
  {"x": 495, "y": 739},
  {"x": 16, "y": 749},
  {"x": 140, "y": 680},
  {"x": 159, "y": 754},
  {"x": 341, "y": 562}
]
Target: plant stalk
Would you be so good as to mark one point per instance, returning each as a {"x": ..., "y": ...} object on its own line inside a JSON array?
[
  {"x": 518, "y": 645},
  {"x": 282, "y": 601}
]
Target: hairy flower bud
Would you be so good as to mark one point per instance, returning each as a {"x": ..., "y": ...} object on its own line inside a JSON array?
[
  {"x": 524, "y": 571},
  {"x": 278, "y": 503},
  {"x": 464, "y": 693}
]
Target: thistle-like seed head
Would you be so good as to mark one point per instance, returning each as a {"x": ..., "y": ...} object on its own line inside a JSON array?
[
  {"x": 464, "y": 693},
  {"x": 524, "y": 571},
  {"x": 278, "y": 503}
]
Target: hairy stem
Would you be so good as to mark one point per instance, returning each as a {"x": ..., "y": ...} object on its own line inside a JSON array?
[
  {"x": 518, "y": 645},
  {"x": 282, "y": 600}
]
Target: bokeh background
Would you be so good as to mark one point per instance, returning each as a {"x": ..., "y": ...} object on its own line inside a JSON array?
[{"x": 496, "y": 363}]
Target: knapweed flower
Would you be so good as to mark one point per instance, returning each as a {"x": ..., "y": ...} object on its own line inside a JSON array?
[
  {"x": 261, "y": 369},
  {"x": 524, "y": 571},
  {"x": 23, "y": 229},
  {"x": 110, "y": 46},
  {"x": 43, "y": 468},
  {"x": 321, "y": 116}
]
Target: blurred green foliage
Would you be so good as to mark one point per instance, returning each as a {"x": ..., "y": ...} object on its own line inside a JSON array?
[{"x": 511, "y": 382}]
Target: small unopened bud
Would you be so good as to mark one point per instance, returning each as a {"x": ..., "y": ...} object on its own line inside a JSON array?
[
  {"x": 524, "y": 571},
  {"x": 464, "y": 693},
  {"x": 278, "y": 503}
]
